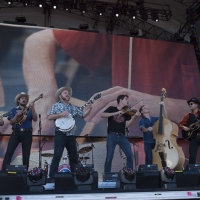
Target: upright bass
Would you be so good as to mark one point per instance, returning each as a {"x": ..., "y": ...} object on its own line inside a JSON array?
[{"x": 166, "y": 152}]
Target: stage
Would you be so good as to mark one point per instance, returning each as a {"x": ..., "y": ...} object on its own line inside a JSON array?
[
  {"x": 99, "y": 194},
  {"x": 146, "y": 183}
]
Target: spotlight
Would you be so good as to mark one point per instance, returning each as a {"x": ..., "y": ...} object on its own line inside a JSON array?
[
  {"x": 127, "y": 179},
  {"x": 84, "y": 177},
  {"x": 117, "y": 12},
  {"x": 82, "y": 174},
  {"x": 9, "y": 2},
  {"x": 67, "y": 6},
  {"x": 36, "y": 179},
  {"x": 40, "y": 3},
  {"x": 83, "y": 8},
  {"x": 168, "y": 178},
  {"x": 54, "y": 4},
  {"x": 26, "y": 2},
  {"x": 154, "y": 15},
  {"x": 132, "y": 14},
  {"x": 100, "y": 10}
]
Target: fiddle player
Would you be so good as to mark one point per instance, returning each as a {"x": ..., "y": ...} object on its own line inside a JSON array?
[
  {"x": 20, "y": 133},
  {"x": 118, "y": 122},
  {"x": 146, "y": 124},
  {"x": 65, "y": 139},
  {"x": 184, "y": 125}
]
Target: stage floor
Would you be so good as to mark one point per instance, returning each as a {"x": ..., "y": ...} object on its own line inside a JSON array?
[
  {"x": 106, "y": 191},
  {"x": 111, "y": 195}
]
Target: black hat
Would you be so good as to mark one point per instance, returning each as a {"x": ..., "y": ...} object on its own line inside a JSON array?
[{"x": 195, "y": 100}]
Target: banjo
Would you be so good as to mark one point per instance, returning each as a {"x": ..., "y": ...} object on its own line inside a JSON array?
[{"x": 67, "y": 123}]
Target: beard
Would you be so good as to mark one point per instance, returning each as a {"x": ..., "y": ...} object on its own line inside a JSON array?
[
  {"x": 23, "y": 103},
  {"x": 65, "y": 98}
]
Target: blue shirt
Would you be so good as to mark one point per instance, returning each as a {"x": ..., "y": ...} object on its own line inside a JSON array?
[
  {"x": 146, "y": 123},
  {"x": 27, "y": 124}
]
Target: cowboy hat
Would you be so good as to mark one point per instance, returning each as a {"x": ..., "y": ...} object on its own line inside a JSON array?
[
  {"x": 22, "y": 94},
  {"x": 60, "y": 90},
  {"x": 195, "y": 100}
]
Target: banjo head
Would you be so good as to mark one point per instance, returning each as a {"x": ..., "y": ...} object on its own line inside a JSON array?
[{"x": 65, "y": 123}]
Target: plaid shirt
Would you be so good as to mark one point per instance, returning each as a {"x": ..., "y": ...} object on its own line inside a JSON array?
[{"x": 60, "y": 107}]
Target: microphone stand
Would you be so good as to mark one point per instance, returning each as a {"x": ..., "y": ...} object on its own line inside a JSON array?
[
  {"x": 92, "y": 145},
  {"x": 40, "y": 149}
]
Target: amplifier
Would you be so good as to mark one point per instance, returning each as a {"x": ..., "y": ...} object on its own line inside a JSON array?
[
  {"x": 110, "y": 176},
  {"x": 16, "y": 168}
]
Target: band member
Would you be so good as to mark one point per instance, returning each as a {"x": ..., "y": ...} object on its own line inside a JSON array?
[
  {"x": 65, "y": 139},
  {"x": 118, "y": 121},
  {"x": 146, "y": 124},
  {"x": 185, "y": 123},
  {"x": 20, "y": 133}
]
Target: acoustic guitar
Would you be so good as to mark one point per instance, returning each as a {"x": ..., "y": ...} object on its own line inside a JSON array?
[{"x": 188, "y": 135}]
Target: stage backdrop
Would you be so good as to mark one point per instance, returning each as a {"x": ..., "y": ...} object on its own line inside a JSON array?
[{"x": 39, "y": 61}]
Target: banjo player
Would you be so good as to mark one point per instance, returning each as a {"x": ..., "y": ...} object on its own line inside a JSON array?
[{"x": 63, "y": 112}]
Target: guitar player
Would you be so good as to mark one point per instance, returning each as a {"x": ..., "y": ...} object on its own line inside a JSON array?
[
  {"x": 190, "y": 127},
  {"x": 22, "y": 132},
  {"x": 65, "y": 138}
]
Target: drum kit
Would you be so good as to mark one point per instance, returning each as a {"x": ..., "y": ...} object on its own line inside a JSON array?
[{"x": 65, "y": 167}]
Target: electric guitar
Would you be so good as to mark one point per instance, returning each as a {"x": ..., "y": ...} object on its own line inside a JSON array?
[
  {"x": 67, "y": 123},
  {"x": 188, "y": 135}
]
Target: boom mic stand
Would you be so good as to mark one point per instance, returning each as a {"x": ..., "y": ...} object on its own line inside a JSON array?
[{"x": 92, "y": 145}]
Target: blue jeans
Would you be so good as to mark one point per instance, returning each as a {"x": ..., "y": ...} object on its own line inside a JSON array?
[
  {"x": 148, "y": 152},
  {"x": 122, "y": 141},
  {"x": 62, "y": 141},
  {"x": 18, "y": 137}
]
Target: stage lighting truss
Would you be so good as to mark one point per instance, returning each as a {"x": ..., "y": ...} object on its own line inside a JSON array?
[{"x": 96, "y": 8}]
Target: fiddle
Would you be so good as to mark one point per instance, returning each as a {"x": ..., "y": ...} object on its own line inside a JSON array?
[{"x": 128, "y": 111}]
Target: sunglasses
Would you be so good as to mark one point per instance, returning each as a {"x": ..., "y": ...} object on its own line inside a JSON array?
[{"x": 190, "y": 104}]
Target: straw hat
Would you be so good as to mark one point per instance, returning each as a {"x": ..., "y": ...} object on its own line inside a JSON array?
[
  {"x": 22, "y": 94},
  {"x": 60, "y": 90}
]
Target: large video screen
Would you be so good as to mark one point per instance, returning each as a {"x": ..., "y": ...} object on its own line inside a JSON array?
[{"x": 39, "y": 61}]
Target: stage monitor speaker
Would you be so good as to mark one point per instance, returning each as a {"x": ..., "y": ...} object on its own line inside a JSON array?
[
  {"x": 13, "y": 183},
  {"x": 148, "y": 177},
  {"x": 64, "y": 181},
  {"x": 187, "y": 179},
  {"x": 110, "y": 176}
]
